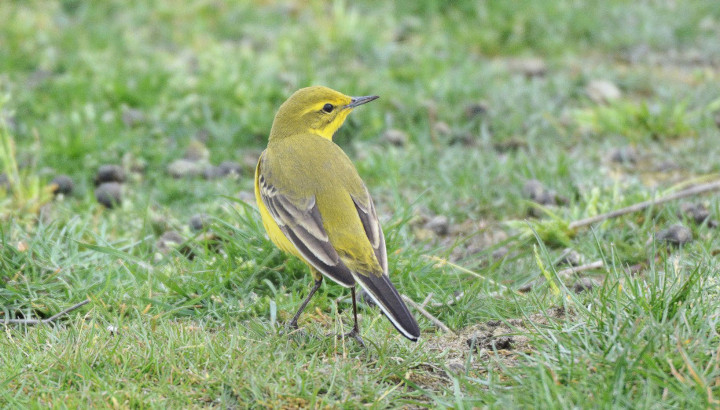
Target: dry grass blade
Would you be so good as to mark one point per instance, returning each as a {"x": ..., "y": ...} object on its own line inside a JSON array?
[
  {"x": 427, "y": 314},
  {"x": 442, "y": 262},
  {"x": 566, "y": 273}
]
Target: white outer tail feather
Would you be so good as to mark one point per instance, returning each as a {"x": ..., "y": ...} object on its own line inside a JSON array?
[{"x": 385, "y": 311}]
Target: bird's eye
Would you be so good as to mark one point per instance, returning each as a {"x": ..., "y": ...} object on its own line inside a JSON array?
[{"x": 328, "y": 108}]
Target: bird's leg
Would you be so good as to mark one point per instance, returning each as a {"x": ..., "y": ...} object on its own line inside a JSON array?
[
  {"x": 355, "y": 332},
  {"x": 293, "y": 323}
]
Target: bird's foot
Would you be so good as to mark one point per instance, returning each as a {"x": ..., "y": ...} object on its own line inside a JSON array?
[
  {"x": 354, "y": 334},
  {"x": 291, "y": 329},
  {"x": 291, "y": 326}
]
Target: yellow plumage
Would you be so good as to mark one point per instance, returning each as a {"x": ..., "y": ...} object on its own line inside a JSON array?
[{"x": 314, "y": 205}]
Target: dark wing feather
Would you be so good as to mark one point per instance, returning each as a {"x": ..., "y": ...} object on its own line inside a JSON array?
[
  {"x": 379, "y": 287},
  {"x": 301, "y": 223},
  {"x": 373, "y": 230}
]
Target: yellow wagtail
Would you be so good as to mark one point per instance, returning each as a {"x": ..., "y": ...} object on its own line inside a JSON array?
[{"x": 315, "y": 206}]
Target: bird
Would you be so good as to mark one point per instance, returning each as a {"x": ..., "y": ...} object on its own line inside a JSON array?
[{"x": 314, "y": 205}]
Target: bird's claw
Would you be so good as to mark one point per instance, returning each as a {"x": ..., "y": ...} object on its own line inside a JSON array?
[
  {"x": 292, "y": 329},
  {"x": 354, "y": 334}
]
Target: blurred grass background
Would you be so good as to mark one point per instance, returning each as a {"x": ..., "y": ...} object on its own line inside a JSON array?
[{"x": 485, "y": 95}]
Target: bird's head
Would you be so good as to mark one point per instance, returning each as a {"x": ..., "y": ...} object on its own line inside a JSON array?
[{"x": 318, "y": 110}]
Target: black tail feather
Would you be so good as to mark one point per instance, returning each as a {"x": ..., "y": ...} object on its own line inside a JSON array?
[{"x": 384, "y": 294}]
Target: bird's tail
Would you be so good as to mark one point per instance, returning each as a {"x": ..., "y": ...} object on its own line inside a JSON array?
[{"x": 384, "y": 294}]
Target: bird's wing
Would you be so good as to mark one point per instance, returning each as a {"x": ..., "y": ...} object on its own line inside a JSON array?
[
  {"x": 300, "y": 221},
  {"x": 378, "y": 286},
  {"x": 366, "y": 211}
]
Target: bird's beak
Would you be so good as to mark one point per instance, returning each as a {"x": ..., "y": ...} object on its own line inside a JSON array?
[{"x": 355, "y": 101}]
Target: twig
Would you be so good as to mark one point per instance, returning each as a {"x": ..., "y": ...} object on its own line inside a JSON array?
[
  {"x": 427, "y": 314},
  {"x": 566, "y": 273},
  {"x": 698, "y": 189},
  {"x": 48, "y": 320},
  {"x": 427, "y": 300}
]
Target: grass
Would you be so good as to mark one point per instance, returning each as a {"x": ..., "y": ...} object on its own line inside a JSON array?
[{"x": 84, "y": 84}]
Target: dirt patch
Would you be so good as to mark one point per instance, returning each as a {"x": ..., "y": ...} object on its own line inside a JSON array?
[{"x": 476, "y": 347}]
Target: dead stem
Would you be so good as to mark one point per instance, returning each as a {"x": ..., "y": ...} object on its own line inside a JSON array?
[
  {"x": 48, "y": 320},
  {"x": 427, "y": 314},
  {"x": 698, "y": 189}
]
